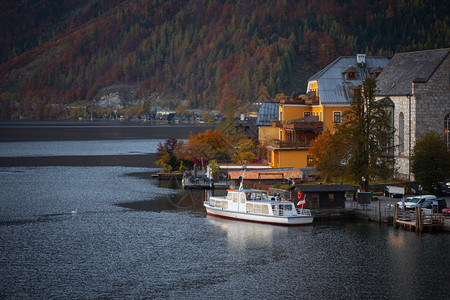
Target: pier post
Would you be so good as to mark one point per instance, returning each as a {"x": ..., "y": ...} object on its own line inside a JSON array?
[
  {"x": 395, "y": 216},
  {"x": 379, "y": 211}
]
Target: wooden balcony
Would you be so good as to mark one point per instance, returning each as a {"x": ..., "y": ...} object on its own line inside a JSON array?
[
  {"x": 298, "y": 125},
  {"x": 302, "y": 125},
  {"x": 301, "y": 145},
  {"x": 313, "y": 100}
]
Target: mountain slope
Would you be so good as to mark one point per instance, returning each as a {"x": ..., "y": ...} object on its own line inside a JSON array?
[{"x": 210, "y": 52}]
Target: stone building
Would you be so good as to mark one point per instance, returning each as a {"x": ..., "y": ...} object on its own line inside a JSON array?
[{"x": 418, "y": 85}]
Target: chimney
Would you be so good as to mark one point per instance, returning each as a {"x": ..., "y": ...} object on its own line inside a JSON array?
[{"x": 361, "y": 59}]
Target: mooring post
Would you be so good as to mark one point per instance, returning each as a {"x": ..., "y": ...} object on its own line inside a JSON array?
[
  {"x": 395, "y": 215},
  {"x": 379, "y": 211}
]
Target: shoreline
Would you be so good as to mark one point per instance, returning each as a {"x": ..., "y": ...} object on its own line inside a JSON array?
[{"x": 55, "y": 131}]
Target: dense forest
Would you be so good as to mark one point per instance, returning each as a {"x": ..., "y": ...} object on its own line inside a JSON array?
[{"x": 210, "y": 52}]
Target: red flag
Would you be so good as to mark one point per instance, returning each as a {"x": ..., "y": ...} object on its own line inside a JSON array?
[{"x": 301, "y": 203}]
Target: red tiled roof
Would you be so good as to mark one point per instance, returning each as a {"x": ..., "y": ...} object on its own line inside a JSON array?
[{"x": 265, "y": 174}]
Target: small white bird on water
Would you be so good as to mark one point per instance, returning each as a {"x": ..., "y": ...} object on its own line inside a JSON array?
[{"x": 75, "y": 211}]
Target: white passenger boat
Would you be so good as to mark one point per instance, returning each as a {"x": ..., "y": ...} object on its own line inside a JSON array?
[{"x": 257, "y": 206}]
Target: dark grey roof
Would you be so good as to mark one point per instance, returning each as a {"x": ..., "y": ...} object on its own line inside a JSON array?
[
  {"x": 266, "y": 113},
  {"x": 326, "y": 188},
  {"x": 333, "y": 89},
  {"x": 404, "y": 68}
]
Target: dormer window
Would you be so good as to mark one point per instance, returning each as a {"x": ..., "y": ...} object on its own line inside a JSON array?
[
  {"x": 350, "y": 73},
  {"x": 376, "y": 71}
]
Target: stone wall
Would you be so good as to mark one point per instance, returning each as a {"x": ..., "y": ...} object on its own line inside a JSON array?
[{"x": 425, "y": 110}]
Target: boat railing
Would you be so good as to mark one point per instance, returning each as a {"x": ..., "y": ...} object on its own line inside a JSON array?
[{"x": 303, "y": 211}]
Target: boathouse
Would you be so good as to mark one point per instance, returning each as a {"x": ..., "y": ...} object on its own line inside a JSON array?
[{"x": 323, "y": 196}]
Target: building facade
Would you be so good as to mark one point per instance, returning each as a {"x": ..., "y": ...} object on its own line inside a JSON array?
[
  {"x": 328, "y": 96},
  {"x": 418, "y": 85}
]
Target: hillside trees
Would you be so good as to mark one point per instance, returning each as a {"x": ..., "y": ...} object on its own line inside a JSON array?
[{"x": 197, "y": 50}]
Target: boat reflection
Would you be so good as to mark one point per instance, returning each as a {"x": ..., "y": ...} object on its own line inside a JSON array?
[{"x": 242, "y": 235}]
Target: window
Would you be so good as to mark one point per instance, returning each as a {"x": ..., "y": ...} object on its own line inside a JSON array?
[
  {"x": 306, "y": 114},
  {"x": 337, "y": 117},
  {"x": 235, "y": 197},
  {"x": 351, "y": 75},
  {"x": 331, "y": 197},
  {"x": 447, "y": 129},
  {"x": 309, "y": 160},
  {"x": 242, "y": 196},
  {"x": 225, "y": 204},
  {"x": 401, "y": 133}
]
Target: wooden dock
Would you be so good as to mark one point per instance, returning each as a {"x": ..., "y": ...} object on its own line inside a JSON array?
[{"x": 418, "y": 220}]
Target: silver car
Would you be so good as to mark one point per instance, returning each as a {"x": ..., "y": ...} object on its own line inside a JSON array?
[{"x": 416, "y": 201}]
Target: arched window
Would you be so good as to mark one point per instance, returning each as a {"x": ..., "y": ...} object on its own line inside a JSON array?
[
  {"x": 447, "y": 129},
  {"x": 401, "y": 133}
]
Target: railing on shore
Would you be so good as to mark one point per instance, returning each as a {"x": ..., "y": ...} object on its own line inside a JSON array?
[
  {"x": 418, "y": 220},
  {"x": 374, "y": 208}
]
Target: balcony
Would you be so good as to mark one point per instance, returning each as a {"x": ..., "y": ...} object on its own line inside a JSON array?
[
  {"x": 312, "y": 100},
  {"x": 301, "y": 145},
  {"x": 302, "y": 125},
  {"x": 299, "y": 124}
]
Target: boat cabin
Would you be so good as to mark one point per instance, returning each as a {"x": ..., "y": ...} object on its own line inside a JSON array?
[{"x": 253, "y": 201}]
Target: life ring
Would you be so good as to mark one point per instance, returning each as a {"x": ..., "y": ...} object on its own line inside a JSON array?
[{"x": 300, "y": 195}]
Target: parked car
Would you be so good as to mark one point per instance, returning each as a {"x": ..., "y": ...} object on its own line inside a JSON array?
[
  {"x": 440, "y": 204},
  {"x": 446, "y": 211},
  {"x": 441, "y": 189},
  {"x": 416, "y": 201}
]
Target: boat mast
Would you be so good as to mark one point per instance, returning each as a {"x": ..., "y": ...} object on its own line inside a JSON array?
[{"x": 241, "y": 186}]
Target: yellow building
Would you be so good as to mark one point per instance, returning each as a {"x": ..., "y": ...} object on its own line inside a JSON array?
[{"x": 328, "y": 96}]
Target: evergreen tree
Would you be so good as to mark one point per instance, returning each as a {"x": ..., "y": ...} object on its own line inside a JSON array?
[
  {"x": 365, "y": 136},
  {"x": 430, "y": 160}
]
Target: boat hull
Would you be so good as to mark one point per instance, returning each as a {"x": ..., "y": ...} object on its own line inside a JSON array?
[{"x": 260, "y": 218}]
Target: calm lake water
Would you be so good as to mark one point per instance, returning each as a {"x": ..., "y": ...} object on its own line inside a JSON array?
[{"x": 133, "y": 237}]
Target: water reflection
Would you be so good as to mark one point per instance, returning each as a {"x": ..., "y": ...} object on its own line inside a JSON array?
[{"x": 244, "y": 235}]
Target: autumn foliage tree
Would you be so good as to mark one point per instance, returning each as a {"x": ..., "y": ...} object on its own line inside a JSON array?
[
  {"x": 328, "y": 155},
  {"x": 215, "y": 145}
]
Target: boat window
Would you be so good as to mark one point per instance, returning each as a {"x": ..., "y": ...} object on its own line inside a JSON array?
[
  {"x": 242, "y": 198},
  {"x": 218, "y": 204},
  {"x": 225, "y": 204},
  {"x": 230, "y": 196},
  {"x": 264, "y": 196},
  {"x": 257, "y": 208},
  {"x": 274, "y": 207},
  {"x": 257, "y": 196},
  {"x": 265, "y": 209},
  {"x": 288, "y": 207},
  {"x": 235, "y": 197},
  {"x": 249, "y": 196},
  {"x": 249, "y": 207}
]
